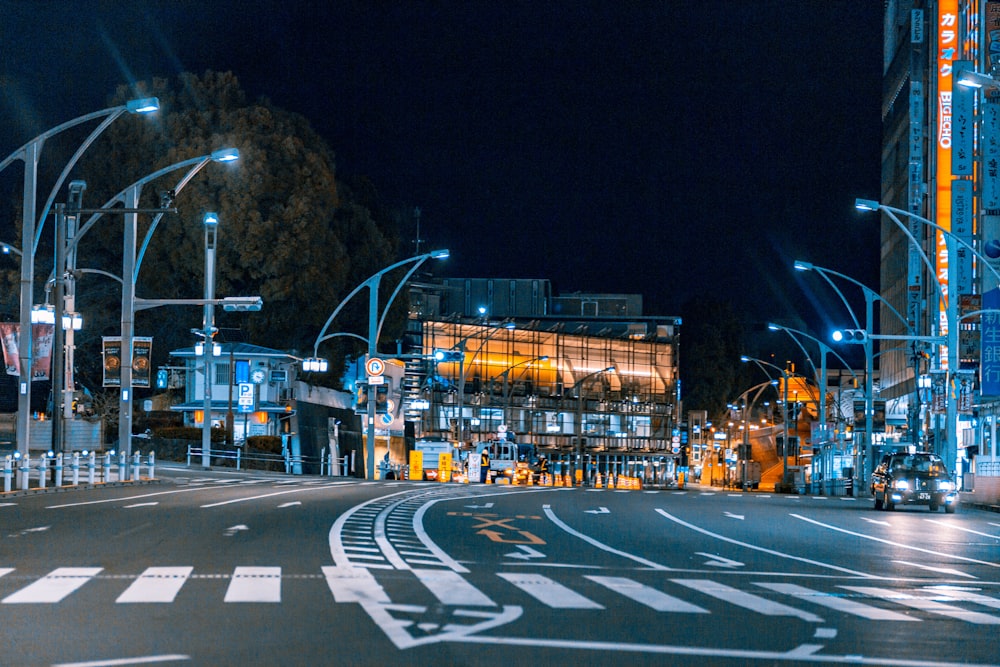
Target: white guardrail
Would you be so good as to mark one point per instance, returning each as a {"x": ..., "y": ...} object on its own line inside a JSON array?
[{"x": 112, "y": 468}]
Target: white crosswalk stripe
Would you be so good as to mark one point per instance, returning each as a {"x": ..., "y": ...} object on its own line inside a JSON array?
[
  {"x": 156, "y": 584},
  {"x": 833, "y": 601},
  {"x": 746, "y": 600},
  {"x": 54, "y": 586},
  {"x": 549, "y": 592},
  {"x": 255, "y": 584},
  {"x": 926, "y": 604},
  {"x": 647, "y": 595},
  {"x": 451, "y": 588}
]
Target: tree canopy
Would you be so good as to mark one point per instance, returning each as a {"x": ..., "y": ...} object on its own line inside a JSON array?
[{"x": 288, "y": 230}]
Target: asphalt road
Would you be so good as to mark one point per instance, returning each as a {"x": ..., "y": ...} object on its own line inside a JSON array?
[{"x": 224, "y": 568}]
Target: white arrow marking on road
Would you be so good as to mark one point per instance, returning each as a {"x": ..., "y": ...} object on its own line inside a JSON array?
[
  {"x": 291, "y": 504},
  {"x": 881, "y": 523},
  {"x": 526, "y": 553},
  {"x": 599, "y": 510},
  {"x": 477, "y": 507},
  {"x": 232, "y": 530},
  {"x": 141, "y": 505},
  {"x": 719, "y": 561},
  {"x": 734, "y": 516},
  {"x": 942, "y": 570}
]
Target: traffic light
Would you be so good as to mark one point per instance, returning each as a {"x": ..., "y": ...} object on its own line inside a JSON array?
[
  {"x": 856, "y": 336},
  {"x": 448, "y": 355},
  {"x": 382, "y": 399},
  {"x": 361, "y": 397}
]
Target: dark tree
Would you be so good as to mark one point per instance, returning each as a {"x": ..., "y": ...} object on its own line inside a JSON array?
[{"x": 711, "y": 345}]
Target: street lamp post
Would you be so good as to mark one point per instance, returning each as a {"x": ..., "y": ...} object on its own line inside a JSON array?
[
  {"x": 506, "y": 374},
  {"x": 579, "y": 416},
  {"x": 871, "y": 296},
  {"x": 784, "y": 412},
  {"x": 375, "y": 323},
  {"x": 31, "y": 226},
  {"x": 211, "y": 221},
  {"x": 950, "y": 450}
]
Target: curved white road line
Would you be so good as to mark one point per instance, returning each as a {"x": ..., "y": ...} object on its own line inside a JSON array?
[
  {"x": 895, "y": 544},
  {"x": 600, "y": 545},
  {"x": 779, "y": 554}
]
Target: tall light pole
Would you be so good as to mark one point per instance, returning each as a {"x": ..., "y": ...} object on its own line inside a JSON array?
[
  {"x": 211, "y": 222},
  {"x": 506, "y": 373},
  {"x": 579, "y": 414},
  {"x": 31, "y": 226},
  {"x": 949, "y": 452},
  {"x": 375, "y": 322},
  {"x": 784, "y": 411}
]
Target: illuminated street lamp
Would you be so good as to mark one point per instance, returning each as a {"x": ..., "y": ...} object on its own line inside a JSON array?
[
  {"x": 375, "y": 322},
  {"x": 784, "y": 411},
  {"x": 950, "y": 450},
  {"x": 579, "y": 413},
  {"x": 31, "y": 227}
]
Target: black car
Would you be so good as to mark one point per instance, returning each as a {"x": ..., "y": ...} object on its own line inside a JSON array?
[{"x": 920, "y": 478}]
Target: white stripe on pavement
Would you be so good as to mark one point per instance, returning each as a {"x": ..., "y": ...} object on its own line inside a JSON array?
[
  {"x": 548, "y": 592},
  {"x": 926, "y": 604},
  {"x": 156, "y": 584},
  {"x": 746, "y": 600},
  {"x": 833, "y": 601},
  {"x": 54, "y": 586},
  {"x": 451, "y": 588},
  {"x": 646, "y": 595},
  {"x": 255, "y": 584}
]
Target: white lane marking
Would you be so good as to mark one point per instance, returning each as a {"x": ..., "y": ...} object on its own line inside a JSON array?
[
  {"x": 291, "y": 504},
  {"x": 957, "y": 593},
  {"x": 255, "y": 584},
  {"x": 651, "y": 597},
  {"x": 967, "y": 530},
  {"x": 837, "y": 603},
  {"x": 525, "y": 553},
  {"x": 746, "y": 600},
  {"x": 54, "y": 586},
  {"x": 141, "y": 505},
  {"x": 266, "y": 495},
  {"x": 875, "y": 521},
  {"x": 599, "y": 510},
  {"x": 926, "y": 604},
  {"x": 120, "y": 662},
  {"x": 942, "y": 570},
  {"x": 719, "y": 561},
  {"x": 825, "y": 633},
  {"x": 600, "y": 545},
  {"x": 354, "y": 584},
  {"x": 741, "y": 517},
  {"x": 451, "y": 588},
  {"x": 125, "y": 500},
  {"x": 8, "y": 504},
  {"x": 549, "y": 592},
  {"x": 895, "y": 544},
  {"x": 765, "y": 550},
  {"x": 5, "y": 570},
  {"x": 156, "y": 584}
]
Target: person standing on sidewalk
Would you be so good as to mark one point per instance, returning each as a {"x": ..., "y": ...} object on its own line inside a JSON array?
[{"x": 484, "y": 465}]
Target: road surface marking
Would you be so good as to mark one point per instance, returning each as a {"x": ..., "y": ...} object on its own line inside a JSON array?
[
  {"x": 646, "y": 595},
  {"x": 600, "y": 545},
  {"x": 837, "y": 603},
  {"x": 968, "y": 530},
  {"x": 719, "y": 561},
  {"x": 746, "y": 600},
  {"x": 763, "y": 549},
  {"x": 255, "y": 584},
  {"x": 54, "y": 586},
  {"x": 451, "y": 588},
  {"x": 266, "y": 495},
  {"x": 549, "y": 592},
  {"x": 125, "y": 662},
  {"x": 156, "y": 584},
  {"x": 926, "y": 604},
  {"x": 941, "y": 570},
  {"x": 956, "y": 593},
  {"x": 895, "y": 544}
]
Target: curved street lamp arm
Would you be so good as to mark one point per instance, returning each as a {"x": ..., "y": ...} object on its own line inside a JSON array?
[
  {"x": 320, "y": 338},
  {"x": 21, "y": 152},
  {"x": 890, "y": 212},
  {"x": 868, "y": 290},
  {"x": 395, "y": 292},
  {"x": 828, "y": 279}
]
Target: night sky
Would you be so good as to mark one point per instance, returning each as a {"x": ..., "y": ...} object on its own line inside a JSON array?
[{"x": 676, "y": 150}]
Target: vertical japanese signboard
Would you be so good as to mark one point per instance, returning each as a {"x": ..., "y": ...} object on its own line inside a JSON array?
[{"x": 947, "y": 50}]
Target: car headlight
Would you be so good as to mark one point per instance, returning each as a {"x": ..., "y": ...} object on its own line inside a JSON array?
[
  {"x": 901, "y": 484},
  {"x": 946, "y": 485}
]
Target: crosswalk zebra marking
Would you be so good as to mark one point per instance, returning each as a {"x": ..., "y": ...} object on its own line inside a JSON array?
[
  {"x": 746, "y": 600},
  {"x": 255, "y": 584},
  {"x": 837, "y": 603},
  {"x": 156, "y": 584},
  {"x": 549, "y": 592},
  {"x": 926, "y": 604},
  {"x": 54, "y": 586},
  {"x": 451, "y": 588},
  {"x": 646, "y": 595}
]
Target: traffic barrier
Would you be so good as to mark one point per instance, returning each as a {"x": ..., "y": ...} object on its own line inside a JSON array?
[{"x": 8, "y": 472}]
